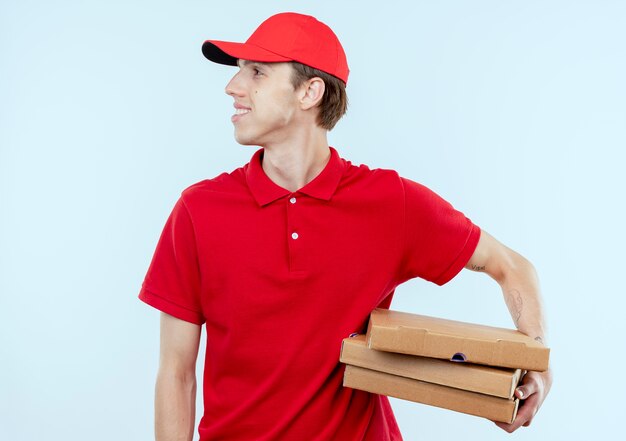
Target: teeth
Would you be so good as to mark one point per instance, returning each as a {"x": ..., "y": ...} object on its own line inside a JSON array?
[{"x": 241, "y": 111}]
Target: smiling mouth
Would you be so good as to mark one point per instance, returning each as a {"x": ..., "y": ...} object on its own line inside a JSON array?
[{"x": 240, "y": 113}]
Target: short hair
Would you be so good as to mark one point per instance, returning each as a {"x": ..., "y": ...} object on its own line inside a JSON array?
[{"x": 334, "y": 103}]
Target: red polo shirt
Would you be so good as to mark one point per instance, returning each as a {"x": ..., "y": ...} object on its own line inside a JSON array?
[{"x": 281, "y": 277}]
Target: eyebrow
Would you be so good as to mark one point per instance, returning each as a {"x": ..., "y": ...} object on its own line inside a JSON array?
[{"x": 260, "y": 63}]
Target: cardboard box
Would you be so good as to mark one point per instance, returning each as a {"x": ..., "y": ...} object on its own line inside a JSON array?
[
  {"x": 472, "y": 403},
  {"x": 414, "y": 334},
  {"x": 499, "y": 382}
]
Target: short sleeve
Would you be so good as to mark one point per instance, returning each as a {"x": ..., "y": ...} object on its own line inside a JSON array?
[
  {"x": 172, "y": 283},
  {"x": 438, "y": 239}
]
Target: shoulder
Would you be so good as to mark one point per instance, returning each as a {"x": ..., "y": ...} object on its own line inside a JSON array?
[
  {"x": 225, "y": 183},
  {"x": 386, "y": 182},
  {"x": 373, "y": 178}
]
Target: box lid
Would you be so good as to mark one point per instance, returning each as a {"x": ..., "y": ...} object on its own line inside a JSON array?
[{"x": 415, "y": 334}]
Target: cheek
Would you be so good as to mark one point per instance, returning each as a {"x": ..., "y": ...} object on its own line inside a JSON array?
[
  {"x": 279, "y": 109},
  {"x": 287, "y": 104},
  {"x": 278, "y": 106}
]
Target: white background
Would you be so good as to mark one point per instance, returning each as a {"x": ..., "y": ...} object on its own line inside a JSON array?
[{"x": 514, "y": 111}]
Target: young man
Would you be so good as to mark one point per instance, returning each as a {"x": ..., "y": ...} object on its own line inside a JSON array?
[{"x": 285, "y": 256}]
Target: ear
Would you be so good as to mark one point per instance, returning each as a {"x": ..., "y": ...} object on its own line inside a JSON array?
[{"x": 312, "y": 93}]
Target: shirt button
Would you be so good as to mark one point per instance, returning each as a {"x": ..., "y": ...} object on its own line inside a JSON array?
[
  {"x": 292, "y": 200},
  {"x": 294, "y": 235}
]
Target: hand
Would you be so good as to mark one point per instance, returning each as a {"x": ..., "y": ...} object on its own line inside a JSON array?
[{"x": 531, "y": 392}]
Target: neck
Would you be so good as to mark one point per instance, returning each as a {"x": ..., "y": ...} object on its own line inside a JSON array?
[{"x": 295, "y": 163}]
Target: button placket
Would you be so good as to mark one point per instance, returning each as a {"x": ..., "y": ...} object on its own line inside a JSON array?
[{"x": 294, "y": 234}]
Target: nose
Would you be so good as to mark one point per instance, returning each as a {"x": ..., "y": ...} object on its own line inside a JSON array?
[{"x": 233, "y": 87}]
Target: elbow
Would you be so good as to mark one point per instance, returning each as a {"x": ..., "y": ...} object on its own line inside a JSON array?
[
  {"x": 515, "y": 265},
  {"x": 173, "y": 375}
]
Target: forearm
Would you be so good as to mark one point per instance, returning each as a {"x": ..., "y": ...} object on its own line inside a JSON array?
[
  {"x": 520, "y": 287},
  {"x": 517, "y": 279},
  {"x": 175, "y": 407}
]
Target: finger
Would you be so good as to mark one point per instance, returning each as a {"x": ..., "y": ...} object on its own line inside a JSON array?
[
  {"x": 527, "y": 410},
  {"x": 504, "y": 426},
  {"x": 524, "y": 416},
  {"x": 526, "y": 389}
]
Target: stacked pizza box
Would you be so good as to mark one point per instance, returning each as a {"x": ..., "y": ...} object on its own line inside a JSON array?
[{"x": 464, "y": 367}]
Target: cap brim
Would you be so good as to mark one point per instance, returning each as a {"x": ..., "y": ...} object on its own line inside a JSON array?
[{"x": 228, "y": 52}]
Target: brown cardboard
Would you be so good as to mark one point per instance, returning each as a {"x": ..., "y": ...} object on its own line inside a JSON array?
[
  {"x": 499, "y": 382},
  {"x": 472, "y": 403},
  {"x": 415, "y": 334}
]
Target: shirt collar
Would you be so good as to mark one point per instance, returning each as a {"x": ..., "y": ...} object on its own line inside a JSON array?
[{"x": 264, "y": 190}]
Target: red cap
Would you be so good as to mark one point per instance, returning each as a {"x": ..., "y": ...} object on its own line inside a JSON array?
[{"x": 287, "y": 36}]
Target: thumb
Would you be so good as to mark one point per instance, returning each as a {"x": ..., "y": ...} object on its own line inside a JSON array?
[{"x": 525, "y": 390}]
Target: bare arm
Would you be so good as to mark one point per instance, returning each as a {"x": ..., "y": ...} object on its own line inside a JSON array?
[
  {"x": 175, "y": 392},
  {"x": 520, "y": 286}
]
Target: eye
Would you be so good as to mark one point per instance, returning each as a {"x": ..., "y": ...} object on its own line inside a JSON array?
[{"x": 257, "y": 71}]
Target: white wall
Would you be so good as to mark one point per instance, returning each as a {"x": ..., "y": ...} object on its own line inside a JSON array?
[{"x": 513, "y": 111}]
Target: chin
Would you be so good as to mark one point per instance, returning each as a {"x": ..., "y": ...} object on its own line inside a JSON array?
[{"x": 246, "y": 140}]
